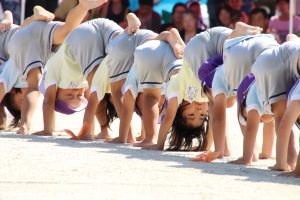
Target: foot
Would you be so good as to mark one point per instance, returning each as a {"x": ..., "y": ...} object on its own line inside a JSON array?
[
  {"x": 206, "y": 156},
  {"x": 278, "y": 167},
  {"x": 6, "y": 22},
  {"x": 176, "y": 43},
  {"x": 103, "y": 136},
  {"x": 240, "y": 161},
  {"x": 264, "y": 156},
  {"x": 140, "y": 138},
  {"x": 245, "y": 29},
  {"x": 24, "y": 130},
  {"x": 143, "y": 143},
  {"x": 116, "y": 140},
  {"x": 42, "y": 133},
  {"x": 40, "y": 14},
  {"x": 290, "y": 174},
  {"x": 153, "y": 147},
  {"x": 133, "y": 23}
]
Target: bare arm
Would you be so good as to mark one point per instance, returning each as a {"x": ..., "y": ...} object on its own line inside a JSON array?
[
  {"x": 2, "y": 91},
  {"x": 48, "y": 110}
]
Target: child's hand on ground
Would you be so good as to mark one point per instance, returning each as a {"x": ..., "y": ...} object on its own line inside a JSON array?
[
  {"x": 240, "y": 161},
  {"x": 116, "y": 140},
  {"x": 206, "y": 156},
  {"x": 84, "y": 133},
  {"x": 90, "y": 4}
]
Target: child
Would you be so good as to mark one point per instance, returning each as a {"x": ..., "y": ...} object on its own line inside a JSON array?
[
  {"x": 38, "y": 40},
  {"x": 290, "y": 117},
  {"x": 282, "y": 64},
  {"x": 250, "y": 114}
]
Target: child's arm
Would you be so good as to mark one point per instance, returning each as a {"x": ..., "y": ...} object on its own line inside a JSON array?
[
  {"x": 283, "y": 135},
  {"x": 125, "y": 118},
  {"x": 253, "y": 120},
  {"x": 74, "y": 18},
  {"x": 165, "y": 125},
  {"x": 48, "y": 111},
  {"x": 2, "y": 91}
]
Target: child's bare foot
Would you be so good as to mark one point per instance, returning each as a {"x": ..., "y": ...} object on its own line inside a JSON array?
[
  {"x": 42, "y": 133},
  {"x": 7, "y": 21},
  {"x": 278, "y": 167},
  {"x": 153, "y": 147},
  {"x": 24, "y": 130},
  {"x": 103, "y": 135},
  {"x": 140, "y": 138},
  {"x": 264, "y": 156},
  {"x": 206, "y": 156},
  {"x": 176, "y": 42},
  {"x": 144, "y": 143},
  {"x": 116, "y": 140},
  {"x": 240, "y": 161},
  {"x": 245, "y": 29},
  {"x": 40, "y": 14},
  {"x": 133, "y": 23},
  {"x": 290, "y": 174}
]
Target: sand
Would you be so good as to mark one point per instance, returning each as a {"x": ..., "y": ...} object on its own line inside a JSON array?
[{"x": 56, "y": 167}]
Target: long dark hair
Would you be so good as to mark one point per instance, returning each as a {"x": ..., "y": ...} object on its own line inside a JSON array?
[
  {"x": 9, "y": 103},
  {"x": 110, "y": 111},
  {"x": 182, "y": 136}
]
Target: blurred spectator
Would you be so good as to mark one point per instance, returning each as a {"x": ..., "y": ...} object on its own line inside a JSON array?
[
  {"x": 225, "y": 16},
  {"x": 14, "y": 6},
  {"x": 49, "y": 5},
  {"x": 236, "y": 5},
  {"x": 281, "y": 22},
  {"x": 177, "y": 12},
  {"x": 212, "y": 7},
  {"x": 259, "y": 17},
  {"x": 195, "y": 7},
  {"x": 190, "y": 29},
  {"x": 66, "y": 5},
  {"x": 150, "y": 19},
  {"x": 116, "y": 10}
]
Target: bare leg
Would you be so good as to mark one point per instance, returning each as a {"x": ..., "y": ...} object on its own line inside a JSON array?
[
  {"x": 174, "y": 39},
  {"x": 292, "y": 152},
  {"x": 40, "y": 14},
  {"x": 101, "y": 117},
  {"x": 7, "y": 21},
  {"x": 142, "y": 135},
  {"x": 268, "y": 140},
  {"x": 294, "y": 173}
]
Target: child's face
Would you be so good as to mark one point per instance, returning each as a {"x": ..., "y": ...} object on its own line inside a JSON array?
[
  {"x": 71, "y": 97},
  {"x": 194, "y": 113},
  {"x": 225, "y": 18},
  {"x": 189, "y": 22}
]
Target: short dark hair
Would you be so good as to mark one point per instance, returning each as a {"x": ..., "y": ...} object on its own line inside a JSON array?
[
  {"x": 146, "y": 2},
  {"x": 9, "y": 103},
  {"x": 261, "y": 11},
  {"x": 178, "y": 5}
]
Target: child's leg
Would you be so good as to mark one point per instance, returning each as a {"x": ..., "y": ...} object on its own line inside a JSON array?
[
  {"x": 142, "y": 135},
  {"x": 150, "y": 115},
  {"x": 74, "y": 18},
  {"x": 242, "y": 29},
  {"x": 292, "y": 152},
  {"x": 268, "y": 140},
  {"x": 102, "y": 119},
  {"x": 30, "y": 100},
  {"x": 295, "y": 172},
  {"x": 7, "y": 21},
  {"x": 174, "y": 39}
]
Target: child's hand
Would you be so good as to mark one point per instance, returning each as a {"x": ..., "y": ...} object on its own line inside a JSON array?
[
  {"x": 206, "y": 156},
  {"x": 133, "y": 23},
  {"x": 84, "y": 133},
  {"x": 278, "y": 167},
  {"x": 43, "y": 133},
  {"x": 240, "y": 161},
  {"x": 90, "y": 4},
  {"x": 153, "y": 147}
]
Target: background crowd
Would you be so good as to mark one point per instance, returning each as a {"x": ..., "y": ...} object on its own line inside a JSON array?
[{"x": 187, "y": 15}]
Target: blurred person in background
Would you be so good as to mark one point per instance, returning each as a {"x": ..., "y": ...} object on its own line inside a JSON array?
[
  {"x": 213, "y": 6},
  {"x": 116, "y": 10},
  {"x": 14, "y": 6},
  {"x": 189, "y": 26},
  {"x": 177, "y": 12},
  {"x": 150, "y": 19},
  {"x": 195, "y": 7},
  {"x": 237, "y": 5},
  {"x": 280, "y": 22}
]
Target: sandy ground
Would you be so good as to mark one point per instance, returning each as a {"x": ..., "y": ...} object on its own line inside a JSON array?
[{"x": 58, "y": 168}]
